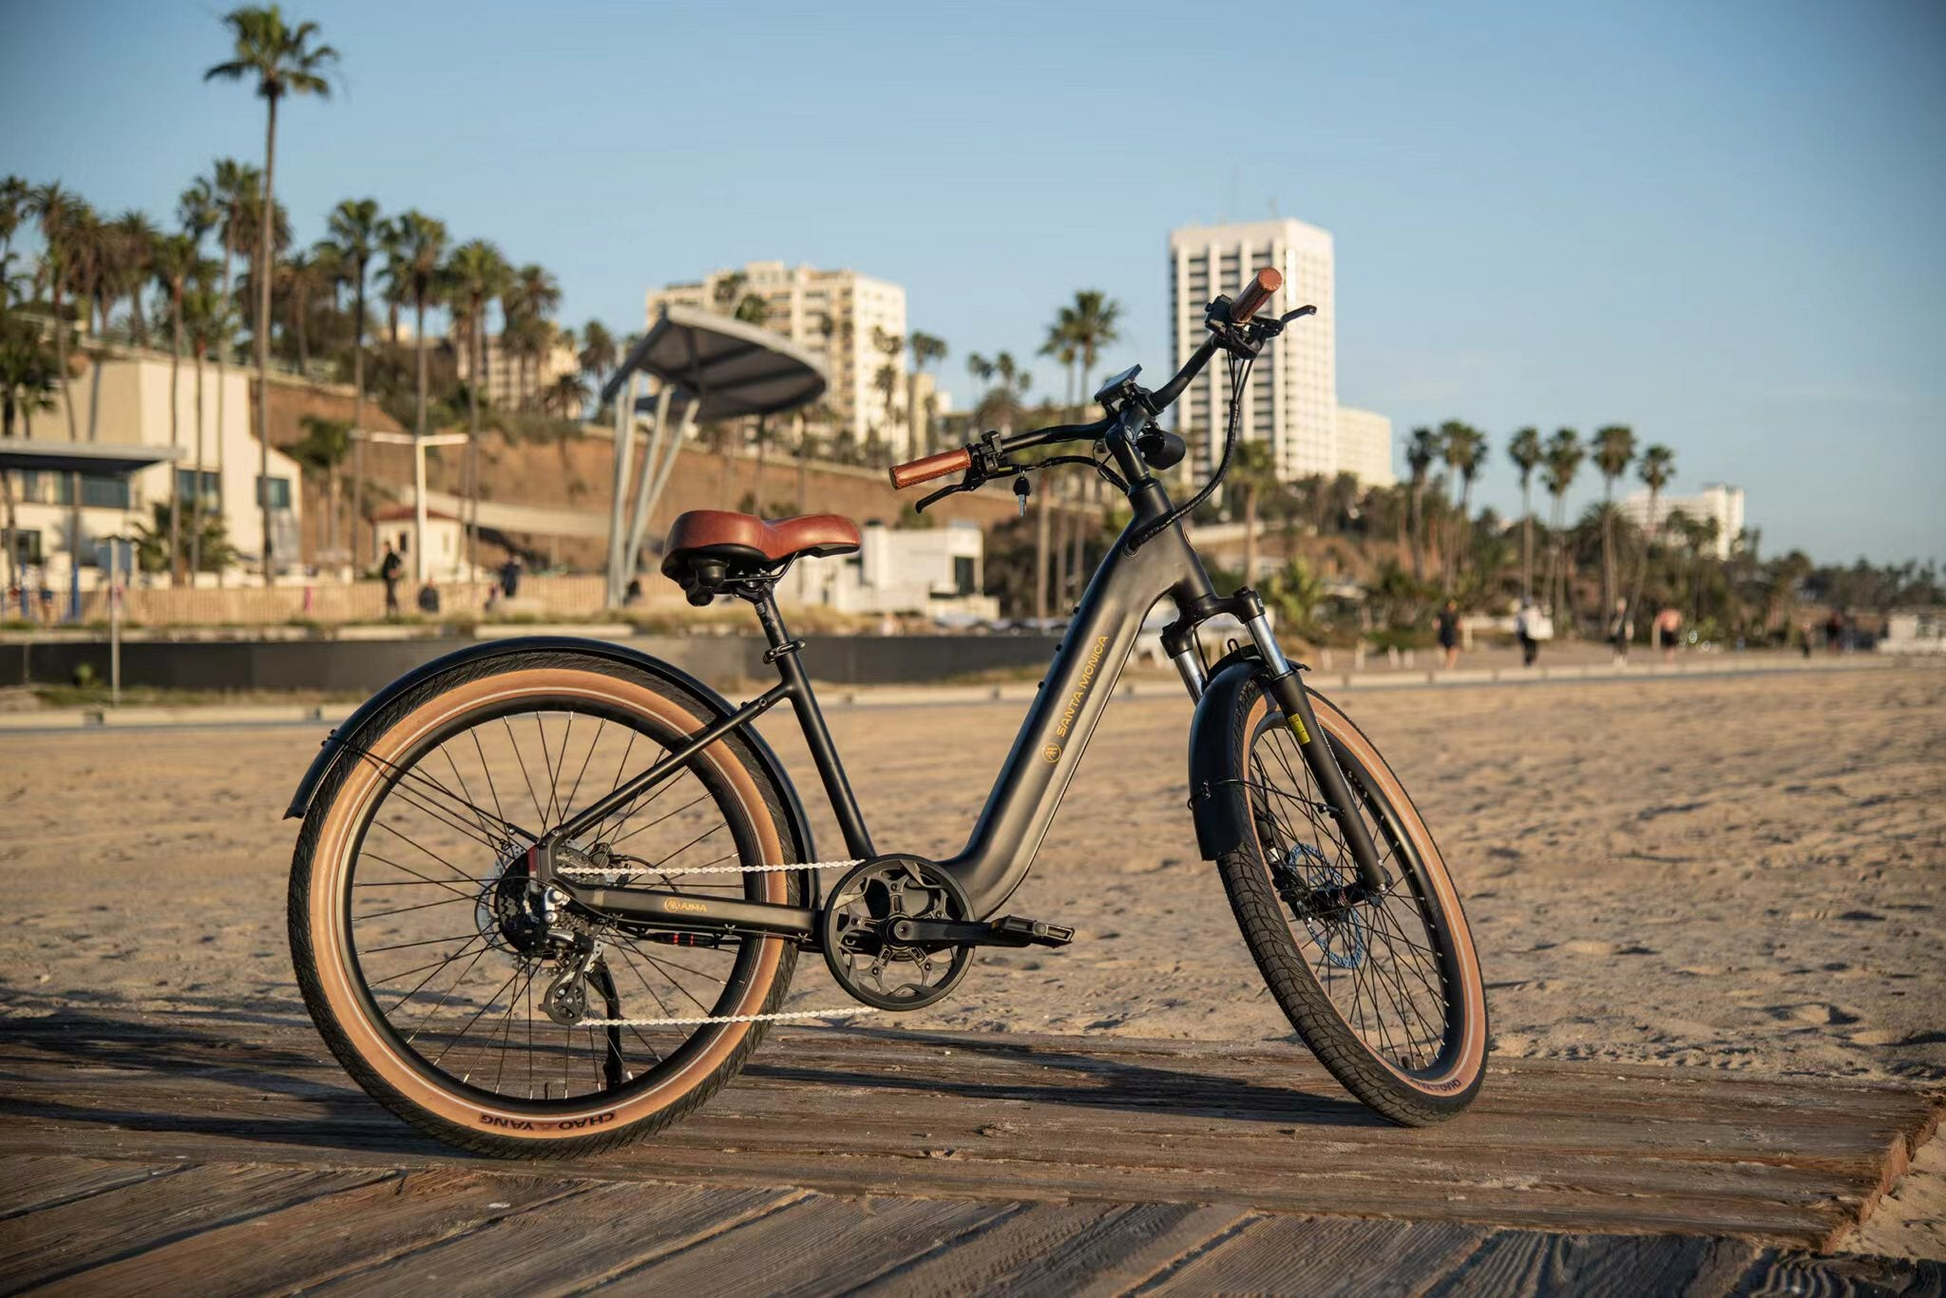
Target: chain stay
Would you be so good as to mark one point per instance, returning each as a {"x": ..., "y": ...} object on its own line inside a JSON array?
[{"x": 703, "y": 1020}]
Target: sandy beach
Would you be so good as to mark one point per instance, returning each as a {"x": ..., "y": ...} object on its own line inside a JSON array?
[{"x": 1718, "y": 873}]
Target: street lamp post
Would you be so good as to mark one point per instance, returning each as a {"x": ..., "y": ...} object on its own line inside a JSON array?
[{"x": 418, "y": 445}]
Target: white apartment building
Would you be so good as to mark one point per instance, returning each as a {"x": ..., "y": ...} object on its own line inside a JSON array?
[
  {"x": 1292, "y": 398},
  {"x": 508, "y": 388},
  {"x": 124, "y": 400},
  {"x": 1365, "y": 447},
  {"x": 839, "y": 316},
  {"x": 1717, "y": 500}
]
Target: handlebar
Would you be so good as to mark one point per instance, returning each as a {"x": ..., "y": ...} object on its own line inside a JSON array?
[
  {"x": 914, "y": 472},
  {"x": 1230, "y": 327},
  {"x": 1255, "y": 294}
]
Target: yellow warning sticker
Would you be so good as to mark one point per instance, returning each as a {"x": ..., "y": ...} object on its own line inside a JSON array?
[{"x": 1303, "y": 735}]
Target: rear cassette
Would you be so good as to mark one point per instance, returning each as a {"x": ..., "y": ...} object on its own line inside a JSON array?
[{"x": 859, "y": 948}]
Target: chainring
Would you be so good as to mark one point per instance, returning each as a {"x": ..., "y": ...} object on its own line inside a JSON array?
[{"x": 872, "y": 968}]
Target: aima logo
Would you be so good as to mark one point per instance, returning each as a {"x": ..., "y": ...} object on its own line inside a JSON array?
[
  {"x": 1051, "y": 753},
  {"x": 693, "y": 907}
]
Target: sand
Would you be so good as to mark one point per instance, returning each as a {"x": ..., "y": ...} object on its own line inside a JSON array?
[{"x": 1723, "y": 873}]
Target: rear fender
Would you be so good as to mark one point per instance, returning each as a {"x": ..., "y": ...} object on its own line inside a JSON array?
[{"x": 346, "y": 731}]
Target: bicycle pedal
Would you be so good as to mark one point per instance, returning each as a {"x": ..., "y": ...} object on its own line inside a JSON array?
[{"x": 1031, "y": 931}]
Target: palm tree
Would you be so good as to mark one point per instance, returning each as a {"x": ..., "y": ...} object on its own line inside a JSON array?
[
  {"x": 1095, "y": 320},
  {"x": 1062, "y": 345},
  {"x": 597, "y": 352},
  {"x": 1657, "y": 467},
  {"x": 134, "y": 239},
  {"x": 1525, "y": 451},
  {"x": 175, "y": 260},
  {"x": 1614, "y": 447},
  {"x": 889, "y": 379},
  {"x": 356, "y": 231},
  {"x": 206, "y": 320},
  {"x": 282, "y": 60},
  {"x": 473, "y": 276},
  {"x": 28, "y": 376},
  {"x": 301, "y": 275},
  {"x": 1564, "y": 456},
  {"x": 926, "y": 348},
  {"x": 1461, "y": 446},
  {"x": 421, "y": 245},
  {"x": 1254, "y": 470},
  {"x": 1419, "y": 455},
  {"x": 55, "y": 208},
  {"x": 323, "y": 450},
  {"x": 536, "y": 296}
]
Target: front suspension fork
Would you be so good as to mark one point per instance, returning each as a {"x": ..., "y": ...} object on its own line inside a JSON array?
[{"x": 1286, "y": 687}]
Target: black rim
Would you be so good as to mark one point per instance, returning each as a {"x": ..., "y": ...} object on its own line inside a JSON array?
[
  {"x": 1385, "y": 963},
  {"x": 450, "y": 965}
]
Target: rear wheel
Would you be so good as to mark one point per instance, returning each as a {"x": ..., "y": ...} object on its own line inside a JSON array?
[
  {"x": 1386, "y": 990},
  {"x": 451, "y": 991}
]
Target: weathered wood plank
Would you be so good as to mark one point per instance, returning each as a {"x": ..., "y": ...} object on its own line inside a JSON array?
[
  {"x": 982, "y": 1259},
  {"x": 1124, "y": 1250},
  {"x": 1774, "y": 1274},
  {"x": 1520, "y": 1263},
  {"x": 1555, "y": 1145},
  {"x": 308, "y": 1243},
  {"x": 603, "y": 1231},
  {"x": 1285, "y": 1255},
  {"x": 819, "y": 1245},
  {"x": 32, "y": 1184},
  {"x": 45, "y": 1246}
]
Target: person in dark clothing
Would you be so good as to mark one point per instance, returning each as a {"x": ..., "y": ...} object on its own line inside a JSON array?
[
  {"x": 510, "y": 576},
  {"x": 390, "y": 569},
  {"x": 1621, "y": 630},
  {"x": 1449, "y": 633},
  {"x": 429, "y": 597}
]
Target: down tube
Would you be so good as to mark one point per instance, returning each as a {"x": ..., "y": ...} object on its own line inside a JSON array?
[{"x": 1070, "y": 702}]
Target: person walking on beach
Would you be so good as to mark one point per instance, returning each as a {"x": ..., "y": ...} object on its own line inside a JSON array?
[
  {"x": 1621, "y": 630},
  {"x": 1449, "y": 633},
  {"x": 1531, "y": 626},
  {"x": 390, "y": 569},
  {"x": 510, "y": 576},
  {"x": 1668, "y": 632}
]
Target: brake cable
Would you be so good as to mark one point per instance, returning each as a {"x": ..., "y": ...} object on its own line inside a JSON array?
[{"x": 1239, "y": 377}]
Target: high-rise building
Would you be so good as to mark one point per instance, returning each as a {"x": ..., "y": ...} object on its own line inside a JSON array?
[
  {"x": 853, "y": 323},
  {"x": 1717, "y": 501},
  {"x": 515, "y": 382},
  {"x": 1365, "y": 447},
  {"x": 1292, "y": 398}
]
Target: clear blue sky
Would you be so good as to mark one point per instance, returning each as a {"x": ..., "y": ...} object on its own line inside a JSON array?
[{"x": 1724, "y": 224}]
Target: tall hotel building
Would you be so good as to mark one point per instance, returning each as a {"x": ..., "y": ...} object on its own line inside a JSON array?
[
  {"x": 840, "y": 317},
  {"x": 1292, "y": 398}
]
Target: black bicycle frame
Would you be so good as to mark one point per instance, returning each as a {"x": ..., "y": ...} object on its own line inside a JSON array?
[{"x": 1046, "y": 751}]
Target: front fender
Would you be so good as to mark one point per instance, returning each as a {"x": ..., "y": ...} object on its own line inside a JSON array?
[
  {"x": 1215, "y": 799},
  {"x": 342, "y": 734}
]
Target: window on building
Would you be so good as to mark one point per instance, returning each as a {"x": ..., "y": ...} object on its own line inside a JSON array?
[
  {"x": 280, "y": 492},
  {"x": 104, "y": 493},
  {"x": 186, "y": 488},
  {"x": 963, "y": 575},
  {"x": 26, "y": 545}
]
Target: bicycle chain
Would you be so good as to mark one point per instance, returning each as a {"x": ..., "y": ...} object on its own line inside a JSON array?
[{"x": 715, "y": 1018}]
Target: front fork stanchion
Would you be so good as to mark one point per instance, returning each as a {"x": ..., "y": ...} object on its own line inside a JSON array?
[{"x": 1287, "y": 688}]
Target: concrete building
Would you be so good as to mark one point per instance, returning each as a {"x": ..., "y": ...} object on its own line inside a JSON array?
[
  {"x": 1292, "y": 398},
  {"x": 1717, "y": 500},
  {"x": 841, "y": 317},
  {"x": 124, "y": 399},
  {"x": 1365, "y": 447},
  {"x": 507, "y": 388},
  {"x": 935, "y": 572},
  {"x": 445, "y": 541}
]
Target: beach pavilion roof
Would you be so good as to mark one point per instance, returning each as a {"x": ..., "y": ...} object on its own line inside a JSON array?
[
  {"x": 728, "y": 367},
  {"x": 97, "y": 459}
]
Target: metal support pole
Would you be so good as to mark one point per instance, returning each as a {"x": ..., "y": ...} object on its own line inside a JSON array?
[
  {"x": 115, "y": 545},
  {"x": 624, "y": 447},
  {"x": 419, "y": 508},
  {"x": 646, "y": 492}
]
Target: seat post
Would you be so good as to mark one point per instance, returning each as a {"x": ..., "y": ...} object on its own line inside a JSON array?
[{"x": 810, "y": 719}]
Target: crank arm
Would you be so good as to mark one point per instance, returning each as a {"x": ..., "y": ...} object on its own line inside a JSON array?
[{"x": 1009, "y": 930}]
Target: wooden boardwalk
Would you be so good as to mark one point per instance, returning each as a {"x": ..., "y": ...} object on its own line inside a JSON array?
[{"x": 222, "y": 1155}]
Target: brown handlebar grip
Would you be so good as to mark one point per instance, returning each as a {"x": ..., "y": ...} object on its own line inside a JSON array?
[
  {"x": 1255, "y": 293},
  {"x": 914, "y": 472}
]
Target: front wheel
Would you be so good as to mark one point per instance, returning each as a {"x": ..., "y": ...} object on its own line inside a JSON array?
[{"x": 1384, "y": 989}]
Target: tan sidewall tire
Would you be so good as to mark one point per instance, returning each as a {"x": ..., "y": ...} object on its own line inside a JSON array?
[
  {"x": 332, "y": 858},
  {"x": 1462, "y": 1077}
]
